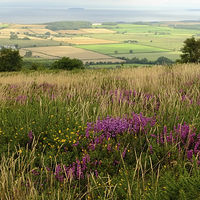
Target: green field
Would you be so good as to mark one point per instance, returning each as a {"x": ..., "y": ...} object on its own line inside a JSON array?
[
  {"x": 153, "y": 41},
  {"x": 150, "y": 56},
  {"x": 121, "y": 48},
  {"x": 4, "y": 25}
]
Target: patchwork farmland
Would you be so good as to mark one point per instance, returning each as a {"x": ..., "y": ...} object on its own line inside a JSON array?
[
  {"x": 101, "y": 42},
  {"x": 84, "y": 40},
  {"x": 68, "y": 51}
]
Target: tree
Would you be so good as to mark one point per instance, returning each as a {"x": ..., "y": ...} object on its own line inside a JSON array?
[
  {"x": 68, "y": 64},
  {"x": 191, "y": 51},
  {"x": 13, "y": 37},
  {"x": 16, "y": 46},
  {"x": 163, "y": 60},
  {"x": 28, "y": 54},
  {"x": 10, "y": 60}
]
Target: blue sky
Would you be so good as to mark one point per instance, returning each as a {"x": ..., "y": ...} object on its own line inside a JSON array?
[{"x": 129, "y": 4}]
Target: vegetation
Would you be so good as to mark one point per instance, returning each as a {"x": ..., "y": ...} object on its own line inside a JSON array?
[
  {"x": 98, "y": 134},
  {"x": 15, "y": 37},
  {"x": 191, "y": 51},
  {"x": 160, "y": 61},
  {"x": 66, "y": 63},
  {"x": 110, "y": 23},
  {"x": 28, "y": 54},
  {"x": 68, "y": 25},
  {"x": 10, "y": 60},
  {"x": 189, "y": 27}
]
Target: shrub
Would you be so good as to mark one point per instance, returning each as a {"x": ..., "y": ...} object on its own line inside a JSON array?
[{"x": 68, "y": 64}]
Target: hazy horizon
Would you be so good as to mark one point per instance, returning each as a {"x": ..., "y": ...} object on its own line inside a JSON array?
[
  {"x": 21, "y": 11},
  {"x": 48, "y": 14},
  {"x": 104, "y": 4}
]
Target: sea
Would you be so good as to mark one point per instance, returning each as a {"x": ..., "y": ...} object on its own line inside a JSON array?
[{"x": 27, "y": 15}]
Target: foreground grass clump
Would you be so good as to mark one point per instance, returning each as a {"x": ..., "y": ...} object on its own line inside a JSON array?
[{"x": 120, "y": 134}]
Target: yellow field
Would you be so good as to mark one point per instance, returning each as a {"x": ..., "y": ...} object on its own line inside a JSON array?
[
  {"x": 97, "y": 30},
  {"x": 20, "y": 26},
  {"x": 42, "y": 30},
  {"x": 6, "y": 32},
  {"x": 71, "y": 31},
  {"x": 36, "y": 54},
  {"x": 84, "y": 40},
  {"x": 86, "y": 30},
  {"x": 68, "y": 51}
]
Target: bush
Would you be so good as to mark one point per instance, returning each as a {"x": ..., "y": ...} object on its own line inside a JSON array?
[
  {"x": 68, "y": 64},
  {"x": 163, "y": 60},
  {"x": 10, "y": 60}
]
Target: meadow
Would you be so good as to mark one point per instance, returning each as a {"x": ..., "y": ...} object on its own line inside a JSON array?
[{"x": 130, "y": 133}]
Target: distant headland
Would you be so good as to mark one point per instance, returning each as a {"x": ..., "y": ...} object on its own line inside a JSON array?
[{"x": 76, "y": 9}]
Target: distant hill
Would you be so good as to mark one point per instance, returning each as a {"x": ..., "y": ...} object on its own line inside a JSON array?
[{"x": 76, "y": 9}]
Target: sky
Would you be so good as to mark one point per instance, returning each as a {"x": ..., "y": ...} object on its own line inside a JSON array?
[{"x": 126, "y": 4}]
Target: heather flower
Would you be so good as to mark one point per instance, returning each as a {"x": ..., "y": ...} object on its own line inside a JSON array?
[
  {"x": 124, "y": 152},
  {"x": 189, "y": 154},
  {"x": 30, "y": 135},
  {"x": 151, "y": 149},
  {"x": 96, "y": 173}
]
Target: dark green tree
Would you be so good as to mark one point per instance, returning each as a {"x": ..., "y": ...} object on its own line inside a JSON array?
[
  {"x": 28, "y": 54},
  {"x": 16, "y": 46},
  {"x": 163, "y": 60},
  {"x": 190, "y": 51},
  {"x": 68, "y": 64},
  {"x": 10, "y": 60},
  {"x": 13, "y": 37}
]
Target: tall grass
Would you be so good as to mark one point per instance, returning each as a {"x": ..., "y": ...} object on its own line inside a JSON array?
[{"x": 100, "y": 134}]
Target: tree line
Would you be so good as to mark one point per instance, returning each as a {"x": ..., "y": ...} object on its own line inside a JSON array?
[{"x": 68, "y": 25}]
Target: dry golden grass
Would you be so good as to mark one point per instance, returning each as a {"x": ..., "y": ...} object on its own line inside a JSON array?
[
  {"x": 72, "y": 52},
  {"x": 97, "y": 30},
  {"x": 84, "y": 40},
  {"x": 135, "y": 77},
  {"x": 157, "y": 80}
]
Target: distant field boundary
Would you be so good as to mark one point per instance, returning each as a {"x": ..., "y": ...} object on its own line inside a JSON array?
[
  {"x": 167, "y": 50},
  {"x": 43, "y": 53}
]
